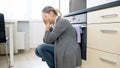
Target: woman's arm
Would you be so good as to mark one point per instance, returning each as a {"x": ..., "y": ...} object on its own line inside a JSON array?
[{"x": 50, "y": 37}]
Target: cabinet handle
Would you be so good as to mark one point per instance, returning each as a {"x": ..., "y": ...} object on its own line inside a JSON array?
[
  {"x": 106, "y": 60},
  {"x": 109, "y": 16},
  {"x": 108, "y": 31}
]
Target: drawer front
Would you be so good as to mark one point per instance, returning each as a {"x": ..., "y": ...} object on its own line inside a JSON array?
[
  {"x": 108, "y": 15},
  {"x": 104, "y": 37},
  {"x": 98, "y": 59}
]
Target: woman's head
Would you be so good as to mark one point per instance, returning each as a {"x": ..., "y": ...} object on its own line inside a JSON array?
[
  {"x": 50, "y": 12},
  {"x": 49, "y": 9}
]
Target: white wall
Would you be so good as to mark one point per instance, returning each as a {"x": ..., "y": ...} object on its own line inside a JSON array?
[
  {"x": 4, "y": 8},
  {"x": 20, "y": 9},
  {"x": 37, "y": 6},
  {"x": 37, "y": 33},
  {"x": 64, "y": 6},
  {"x": 14, "y": 9}
]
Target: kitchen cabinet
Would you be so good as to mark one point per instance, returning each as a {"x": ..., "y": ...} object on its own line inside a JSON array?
[{"x": 103, "y": 35}]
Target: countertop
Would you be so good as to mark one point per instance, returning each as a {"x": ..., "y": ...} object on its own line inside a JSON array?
[{"x": 82, "y": 11}]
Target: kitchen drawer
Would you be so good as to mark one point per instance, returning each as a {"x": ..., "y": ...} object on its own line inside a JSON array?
[
  {"x": 99, "y": 59},
  {"x": 104, "y": 37},
  {"x": 108, "y": 15}
]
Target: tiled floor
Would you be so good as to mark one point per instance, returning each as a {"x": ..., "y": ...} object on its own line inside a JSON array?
[{"x": 25, "y": 60}]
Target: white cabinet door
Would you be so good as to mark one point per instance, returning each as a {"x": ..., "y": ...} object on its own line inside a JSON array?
[
  {"x": 108, "y": 15},
  {"x": 92, "y": 3},
  {"x": 99, "y": 59},
  {"x": 105, "y": 37}
]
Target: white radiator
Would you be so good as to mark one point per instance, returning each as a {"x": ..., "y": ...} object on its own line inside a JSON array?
[{"x": 20, "y": 40}]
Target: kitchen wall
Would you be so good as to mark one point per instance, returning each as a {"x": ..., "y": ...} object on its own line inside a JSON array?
[{"x": 37, "y": 33}]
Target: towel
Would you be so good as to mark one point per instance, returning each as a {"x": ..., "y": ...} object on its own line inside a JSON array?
[{"x": 78, "y": 31}]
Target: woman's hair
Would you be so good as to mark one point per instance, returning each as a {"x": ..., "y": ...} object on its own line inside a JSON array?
[
  {"x": 58, "y": 12},
  {"x": 47, "y": 9}
]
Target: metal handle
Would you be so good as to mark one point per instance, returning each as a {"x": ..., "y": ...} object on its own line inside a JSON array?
[
  {"x": 106, "y": 60},
  {"x": 109, "y": 16},
  {"x": 108, "y": 31}
]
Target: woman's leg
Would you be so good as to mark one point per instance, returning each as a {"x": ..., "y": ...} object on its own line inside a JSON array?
[{"x": 46, "y": 52}]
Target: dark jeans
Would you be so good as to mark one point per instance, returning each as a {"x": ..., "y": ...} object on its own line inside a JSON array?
[{"x": 46, "y": 52}]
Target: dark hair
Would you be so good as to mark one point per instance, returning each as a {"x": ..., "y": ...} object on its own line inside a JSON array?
[{"x": 47, "y": 9}]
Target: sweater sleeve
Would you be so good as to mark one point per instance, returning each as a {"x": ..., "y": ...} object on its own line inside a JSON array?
[{"x": 60, "y": 28}]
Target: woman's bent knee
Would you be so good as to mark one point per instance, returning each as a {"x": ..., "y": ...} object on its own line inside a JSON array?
[
  {"x": 39, "y": 50},
  {"x": 36, "y": 52}
]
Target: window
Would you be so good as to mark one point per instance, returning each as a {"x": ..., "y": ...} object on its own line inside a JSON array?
[{"x": 29, "y": 9}]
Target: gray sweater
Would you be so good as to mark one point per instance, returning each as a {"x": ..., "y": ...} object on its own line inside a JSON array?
[{"x": 67, "y": 53}]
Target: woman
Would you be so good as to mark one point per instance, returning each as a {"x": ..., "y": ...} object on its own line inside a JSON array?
[{"x": 61, "y": 49}]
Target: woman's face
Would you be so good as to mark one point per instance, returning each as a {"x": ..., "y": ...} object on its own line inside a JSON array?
[{"x": 49, "y": 16}]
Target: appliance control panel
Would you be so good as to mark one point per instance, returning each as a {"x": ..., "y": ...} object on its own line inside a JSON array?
[{"x": 82, "y": 18}]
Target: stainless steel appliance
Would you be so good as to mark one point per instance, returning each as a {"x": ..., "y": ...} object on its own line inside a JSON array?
[
  {"x": 77, "y": 5},
  {"x": 81, "y": 20}
]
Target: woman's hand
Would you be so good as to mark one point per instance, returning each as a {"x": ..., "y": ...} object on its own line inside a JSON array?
[{"x": 46, "y": 20}]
